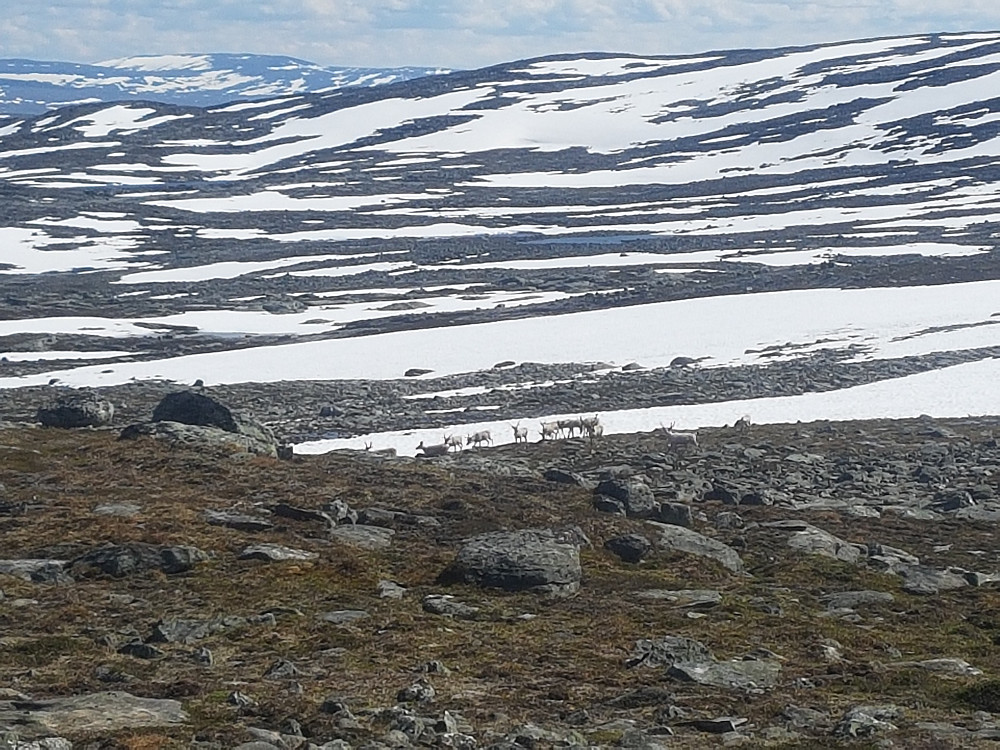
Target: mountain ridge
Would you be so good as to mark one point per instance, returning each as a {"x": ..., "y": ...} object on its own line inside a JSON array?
[{"x": 31, "y": 87}]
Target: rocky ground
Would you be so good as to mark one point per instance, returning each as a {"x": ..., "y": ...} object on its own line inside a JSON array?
[{"x": 811, "y": 585}]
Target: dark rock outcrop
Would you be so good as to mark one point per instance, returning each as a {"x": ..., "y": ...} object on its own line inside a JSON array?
[
  {"x": 77, "y": 410},
  {"x": 190, "y": 418}
]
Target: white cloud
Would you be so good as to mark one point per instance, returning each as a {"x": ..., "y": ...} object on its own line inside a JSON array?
[{"x": 461, "y": 33}]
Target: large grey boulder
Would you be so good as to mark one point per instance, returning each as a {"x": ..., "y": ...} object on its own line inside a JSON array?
[
  {"x": 194, "y": 419},
  {"x": 77, "y": 410},
  {"x": 680, "y": 539},
  {"x": 633, "y": 495},
  {"x": 539, "y": 560}
]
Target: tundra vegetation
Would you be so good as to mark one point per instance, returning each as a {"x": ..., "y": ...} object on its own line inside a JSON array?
[{"x": 310, "y": 601}]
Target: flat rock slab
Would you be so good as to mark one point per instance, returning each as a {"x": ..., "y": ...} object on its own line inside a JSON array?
[
  {"x": 696, "y": 598},
  {"x": 97, "y": 712},
  {"x": 668, "y": 650},
  {"x": 814, "y": 541},
  {"x": 855, "y": 599},
  {"x": 926, "y": 581},
  {"x": 238, "y": 521},
  {"x": 362, "y": 536},
  {"x": 276, "y": 553},
  {"x": 344, "y": 616},
  {"x": 737, "y": 675},
  {"x": 681, "y": 539}
]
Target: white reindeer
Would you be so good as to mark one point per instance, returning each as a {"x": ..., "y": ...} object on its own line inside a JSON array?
[
  {"x": 477, "y": 439},
  {"x": 433, "y": 450},
  {"x": 594, "y": 431},
  {"x": 742, "y": 425},
  {"x": 520, "y": 433},
  {"x": 549, "y": 430},
  {"x": 453, "y": 441},
  {"x": 680, "y": 440}
]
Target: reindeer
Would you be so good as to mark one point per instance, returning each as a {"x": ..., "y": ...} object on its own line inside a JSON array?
[
  {"x": 381, "y": 451},
  {"x": 570, "y": 425},
  {"x": 742, "y": 425},
  {"x": 453, "y": 441},
  {"x": 520, "y": 433},
  {"x": 679, "y": 440},
  {"x": 595, "y": 431},
  {"x": 549, "y": 430},
  {"x": 433, "y": 450},
  {"x": 477, "y": 439}
]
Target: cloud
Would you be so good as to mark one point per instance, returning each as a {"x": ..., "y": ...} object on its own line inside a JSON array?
[{"x": 460, "y": 33}]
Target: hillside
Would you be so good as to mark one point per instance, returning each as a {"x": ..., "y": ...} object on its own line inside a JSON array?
[
  {"x": 831, "y": 586},
  {"x": 739, "y": 212}
]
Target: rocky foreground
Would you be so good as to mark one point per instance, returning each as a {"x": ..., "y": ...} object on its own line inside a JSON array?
[{"x": 810, "y": 585}]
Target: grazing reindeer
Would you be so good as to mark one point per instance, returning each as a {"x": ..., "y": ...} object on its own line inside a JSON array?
[
  {"x": 433, "y": 450},
  {"x": 368, "y": 445},
  {"x": 520, "y": 433},
  {"x": 477, "y": 439},
  {"x": 549, "y": 430},
  {"x": 594, "y": 431},
  {"x": 570, "y": 425},
  {"x": 742, "y": 425},
  {"x": 453, "y": 441},
  {"x": 680, "y": 440}
]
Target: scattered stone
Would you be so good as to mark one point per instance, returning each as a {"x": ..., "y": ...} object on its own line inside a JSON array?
[
  {"x": 868, "y": 721},
  {"x": 736, "y": 675},
  {"x": 687, "y": 598},
  {"x": 445, "y": 604},
  {"x": 853, "y": 599},
  {"x": 680, "y": 539},
  {"x": 635, "y": 496},
  {"x": 77, "y": 410},
  {"x": 926, "y": 581},
  {"x": 390, "y": 590},
  {"x": 123, "y": 510},
  {"x": 363, "y": 536},
  {"x": 238, "y": 521},
  {"x": 631, "y": 548},
  {"x": 344, "y": 616},
  {"x": 675, "y": 514},
  {"x": 540, "y": 560},
  {"x": 721, "y": 725},
  {"x": 96, "y": 712},
  {"x": 666, "y": 651},
  {"x": 276, "y": 553},
  {"x": 141, "y": 650},
  {"x": 120, "y": 560},
  {"x": 420, "y": 691},
  {"x": 284, "y": 510},
  {"x": 561, "y": 476},
  {"x": 814, "y": 541},
  {"x": 36, "y": 571}
]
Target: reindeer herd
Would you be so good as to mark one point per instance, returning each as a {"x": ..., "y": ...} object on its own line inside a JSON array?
[{"x": 589, "y": 427}]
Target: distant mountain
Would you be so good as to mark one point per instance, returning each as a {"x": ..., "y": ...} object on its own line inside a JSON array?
[{"x": 31, "y": 86}]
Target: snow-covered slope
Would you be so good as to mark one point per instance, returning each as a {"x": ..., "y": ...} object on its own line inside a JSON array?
[
  {"x": 532, "y": 210},
  {"x": 32, "y": 86}
]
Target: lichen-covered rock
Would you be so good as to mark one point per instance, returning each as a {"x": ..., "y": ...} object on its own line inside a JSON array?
[
  {"x": 77, "y": 410},
  {"x": 539, "y": 560},
  {"x": 120, "y": 560}
]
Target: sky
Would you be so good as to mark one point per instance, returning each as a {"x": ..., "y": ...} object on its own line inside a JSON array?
[{"x": 457, "y": 33}]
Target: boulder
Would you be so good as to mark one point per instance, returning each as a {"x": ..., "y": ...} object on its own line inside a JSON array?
[
  {"x": 120, "y": 560},
  {"x": 98, "y": 712},
  {"x": 188, "y": 417},
  {"x": 541, "y": 560},
  {"x": 634, "y": 495},
  {"x": 681, "y": 539},
  {"x": 77, "y": 410}
]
